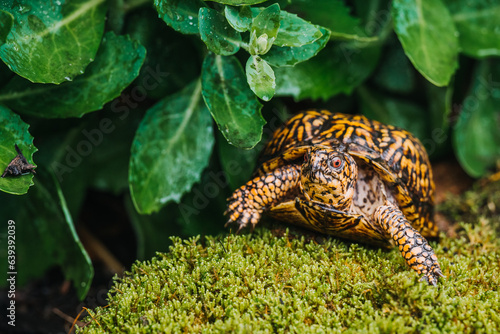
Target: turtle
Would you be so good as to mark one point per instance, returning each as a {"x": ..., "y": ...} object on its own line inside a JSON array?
[{"x": 347, "y": 176}]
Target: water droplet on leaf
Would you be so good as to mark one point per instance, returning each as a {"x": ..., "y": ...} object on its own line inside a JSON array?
[{"x": 23, "y": 9}]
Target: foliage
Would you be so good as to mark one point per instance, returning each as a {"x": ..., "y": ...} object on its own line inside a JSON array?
[
  {"x": 263, "y": 283},
  {"x": 120, "y": 96}
]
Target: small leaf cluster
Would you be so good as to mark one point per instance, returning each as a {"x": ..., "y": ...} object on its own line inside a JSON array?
[
  {"x": 271, "y": 37},
  {"x": 166, "y": 103}
]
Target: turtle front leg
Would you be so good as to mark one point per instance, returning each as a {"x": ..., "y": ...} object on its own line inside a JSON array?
[
  {"x": 248, "y": 202},
  {"x": 412, "y": 245}
]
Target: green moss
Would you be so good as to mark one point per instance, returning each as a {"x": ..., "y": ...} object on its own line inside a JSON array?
[
  {"x": 482, "y": 203},
  {"x": 262, "y": 283}
]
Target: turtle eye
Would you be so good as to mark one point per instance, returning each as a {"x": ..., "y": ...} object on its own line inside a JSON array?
[{"x": 336, "y": 163}]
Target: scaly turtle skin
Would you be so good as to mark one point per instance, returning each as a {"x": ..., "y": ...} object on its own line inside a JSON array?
[{"x": 347, "y": 176}]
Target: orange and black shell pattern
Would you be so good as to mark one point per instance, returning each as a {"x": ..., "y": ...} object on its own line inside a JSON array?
[
  {"x": 398, "y": 149},
  {"x": 347, "y": 176}
]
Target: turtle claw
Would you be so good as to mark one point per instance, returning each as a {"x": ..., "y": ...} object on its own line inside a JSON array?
[
  {"x": 432, "y": 277},
  {"x": 243, "y": 221},
  {"x": 240, "y": 228},
  {"x": 241, "y": 214}
]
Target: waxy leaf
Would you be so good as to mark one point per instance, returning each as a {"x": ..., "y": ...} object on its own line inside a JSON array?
[
  {"x": 14, "y": 131},
  {"x": 181, "y": 15},
  {"x": 117, "y": 64},
  {"x": 260, "y": 77},
  {"x": 232, "y": 104},
  {"x": 171, "y": 60},
  {"x": 237, "y": 164},
  {"x": 395, "y": 72},
  {"x": 295, "y": 31},
  {"x": 478, "y": 24},
  {"x": 397, "y": 112},
  {"x": 170, "y": 150},
  {"x": 52, "y": 42},
  {"x": 476, "y": 138},
  {"x": 439, "y": 106},
  {"x": 290, "y": 56},
  {"x": 335, "y": 16},
  {"x": 239, "y": 2},
  {"x": 240, "y": 18},
  {"x": 6, "y": 22},
  {"x": 217, "y": 33},
  {"x": 338, "y": 68},
  {"x": 429, "y": 38},
  {"x": 264, "y": 30}
]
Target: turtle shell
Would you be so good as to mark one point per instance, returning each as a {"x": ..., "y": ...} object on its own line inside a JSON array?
[{"x": 395, "y": 154}]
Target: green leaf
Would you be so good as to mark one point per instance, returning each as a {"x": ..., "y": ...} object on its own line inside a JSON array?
[
  {"x": 6, "y": 22},
  {"x": 74, "y": 261},
  {"x": 429, "y": 38},
  {"x": 334, "y": 15},
  {"x": 181, "y": 15},
  {"x": 172, "y": 61},
  {"x": 44, "y": 218},
  {"x": 476, "y": 139},
  {"x": 117, "y": 64},
  {"x": 295, "y": 31},
  {"x": 232, "y": 104},
  {"x": 217, "y": 33},
  {"x": 112, "y": 149},
  {"x": 478, "y": 23},
  {"x": 240, "y": 18},
  {"x": 170, "y": 150},
  {"x": 440, "y": 104},
  {"x": 397, "y": 112},
  {"x": 290, "y": 56},
  {"x": 237, "y": 164},
  {"x": 395, "y": 73},
  {"x": 239, "y": 2},
  {"x": 14, "y": 131},
  {"x": 52, "y": 42},
  {"x": 264, "y": 30},
  {"x": 338, "y": 68},
  {"x": 260, "y": 77}
]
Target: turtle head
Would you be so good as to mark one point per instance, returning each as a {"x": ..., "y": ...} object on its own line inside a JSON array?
[{"x": 329, "y": 176}]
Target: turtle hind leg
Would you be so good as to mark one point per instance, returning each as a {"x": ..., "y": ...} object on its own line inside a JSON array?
[
  {"x": 412, "y": 245},
  {"x": 247, "y": 203}
]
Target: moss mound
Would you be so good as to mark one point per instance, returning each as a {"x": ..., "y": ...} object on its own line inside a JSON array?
[{"x": 262, "y": 283}]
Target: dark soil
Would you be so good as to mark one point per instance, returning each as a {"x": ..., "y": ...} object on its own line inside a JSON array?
[{"x": 50, "y": 304}]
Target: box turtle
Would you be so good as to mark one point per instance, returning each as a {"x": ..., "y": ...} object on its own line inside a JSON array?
[{"x": 347, "y": 176}]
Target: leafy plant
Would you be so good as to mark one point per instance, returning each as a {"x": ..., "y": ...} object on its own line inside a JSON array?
[{"x": 123, "y": 96}]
